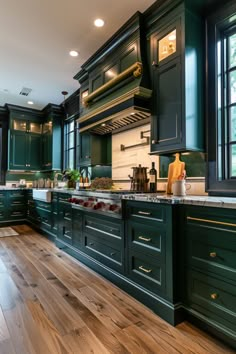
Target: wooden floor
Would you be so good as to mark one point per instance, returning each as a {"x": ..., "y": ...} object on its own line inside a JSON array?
[{"x": 51, "y": 303}]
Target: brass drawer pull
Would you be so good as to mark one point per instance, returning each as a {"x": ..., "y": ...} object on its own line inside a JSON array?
[
  {"x": 214, "y": 296},
  {"x": 144, "y": 238},
  {"x": 211, "y": 221},
  {"x": 144, "y": 213},
  {"x": 212, "y": 254},
  {"x": 144, "y": 269}
]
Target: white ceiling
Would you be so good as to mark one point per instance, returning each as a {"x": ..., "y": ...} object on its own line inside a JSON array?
[{"x": 37, "y": 35}]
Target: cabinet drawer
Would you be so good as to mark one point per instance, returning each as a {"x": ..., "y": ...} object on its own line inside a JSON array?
[
  {"x": 212, "y": 249},
  {"x": 103, "y": 228},
  {"x": 16, "y": 194},
  {"x": 212, "y": 297},
  {"x": 43, "y": 206},
  {"x": 65, "y": 231},
  {"x": 2, "y": 195},
  {"x": 17, "y": 213},
  {"x": 2, "y": 214},
  {"x": 108, "y": 254},
  {"x": 147, "y": 272},
  {"x": 146, "y": 211},
  {"x": 147, "y": 238},
  {"x": 17, "y": 202}
]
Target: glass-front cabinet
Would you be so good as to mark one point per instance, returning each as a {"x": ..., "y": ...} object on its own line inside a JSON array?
[
  {"x": 25, "y": 142},
  {"x": 26, "y": 126}
]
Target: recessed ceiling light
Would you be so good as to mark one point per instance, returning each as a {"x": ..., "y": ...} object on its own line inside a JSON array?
[
  {"x": 73, "y": 53},
  {"x": 99, "y": 22},
  {"x": 30, "y": 102}
]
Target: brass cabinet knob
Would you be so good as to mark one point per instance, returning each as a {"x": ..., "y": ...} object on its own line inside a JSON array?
[
  {"x": 214, "y": 296},
  {"x": 212, "y": 254}
]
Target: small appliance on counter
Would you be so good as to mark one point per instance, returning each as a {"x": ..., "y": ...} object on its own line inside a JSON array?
[{"x": 139, "y": 180}]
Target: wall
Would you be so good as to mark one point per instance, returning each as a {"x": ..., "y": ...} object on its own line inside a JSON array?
[{"x": 123, "y": 161}]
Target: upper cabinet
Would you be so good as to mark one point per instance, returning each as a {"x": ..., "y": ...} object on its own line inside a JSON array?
[
  {"x": 176, "y": 43},
  {"x": 52, "y": 138},
  {"x": 34, "y": 138},
  {"x": 24, "y": 151}
]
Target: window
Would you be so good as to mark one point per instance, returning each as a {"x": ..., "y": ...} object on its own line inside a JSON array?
[
  {"x": 221, "y": 102},
  {"x": 70, "y": 129},
  {"x": 226, "y": 104},
  {"x": 3, "y": 145}
]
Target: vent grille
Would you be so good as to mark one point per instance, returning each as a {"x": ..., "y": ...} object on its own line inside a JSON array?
[
  {"x": 25, "y": 91},
  {"x": 125, "y": 121}
]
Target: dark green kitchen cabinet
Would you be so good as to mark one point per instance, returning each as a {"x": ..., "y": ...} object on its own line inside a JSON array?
[
  {"x": 209, "y": 268},
  {"x": 64, "y": 218},
  {"x": 52, "y": 140},
  {"x": 104, "y": 240},
  {"x": 12, "y": 206},
  {"x": 94, "y": 149},
  {"x": 176, "y": 45},
  {"x": 24, "y": 143},
  {"x": 77, "y": 229},
  {"x": 2, "y": 205},
  {"x": 150, "y": 246},
  {"x": 47, "y": 145}
]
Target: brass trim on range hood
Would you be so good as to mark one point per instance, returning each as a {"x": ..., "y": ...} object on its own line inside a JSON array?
[{"x": 135, "y": 70}]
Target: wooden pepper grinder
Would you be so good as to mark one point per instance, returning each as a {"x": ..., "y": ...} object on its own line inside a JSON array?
[{"x": 176, "y": 169}]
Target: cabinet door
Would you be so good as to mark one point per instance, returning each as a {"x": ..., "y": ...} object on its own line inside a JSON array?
[
  {"x": 18, "y": 150},
  {"x": 85, "y": 149},
  {"x": 166, "y": 125},
  {"x": 77, "y": 226},
  {"x": 47, "y": 151},
  {"x": 34, "y": 151}
]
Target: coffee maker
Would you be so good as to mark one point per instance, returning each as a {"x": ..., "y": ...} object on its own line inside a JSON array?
[{"x": 139, "y": 181}]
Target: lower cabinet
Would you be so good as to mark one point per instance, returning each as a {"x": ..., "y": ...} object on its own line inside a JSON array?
[
  {"x": 104, "y": 240},
  {"x": 150, "y": 246},
  {"x": 77, "y": 228},
  {"x": 12, "y": 206},
  {"x": 40, "y": 215},
  {"x": 64, "y": 218},
  {"x": 209, "y": 268}
]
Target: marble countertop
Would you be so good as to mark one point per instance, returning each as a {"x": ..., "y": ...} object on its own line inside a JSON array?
[{"x": 200, "y": 200}]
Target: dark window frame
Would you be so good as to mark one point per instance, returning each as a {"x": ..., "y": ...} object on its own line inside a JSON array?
[
  {"x": 219, "y": 182},
  {"x": 4, "y": 145},
  {"x": 66, "y": 145}
]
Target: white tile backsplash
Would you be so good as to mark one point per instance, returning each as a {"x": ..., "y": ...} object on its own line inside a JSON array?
[{"x": 123, "y": 161}]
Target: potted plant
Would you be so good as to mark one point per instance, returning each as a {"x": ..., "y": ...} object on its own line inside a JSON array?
[{"x": 71, "y": 177}]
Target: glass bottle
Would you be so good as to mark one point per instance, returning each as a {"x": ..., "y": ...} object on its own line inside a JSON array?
[{"x": 153, "y": 179}]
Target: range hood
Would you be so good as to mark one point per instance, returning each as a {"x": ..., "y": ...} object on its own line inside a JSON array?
[
  {"x": 110, "y": 104},
  {"x": 126, "y": 111}
]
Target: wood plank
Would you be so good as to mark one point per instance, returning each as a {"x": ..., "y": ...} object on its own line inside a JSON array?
[
  {"x": 59, "y": 311},
  {"x": 24, "y": 334},
  {"x": 4, "y": 333}
]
